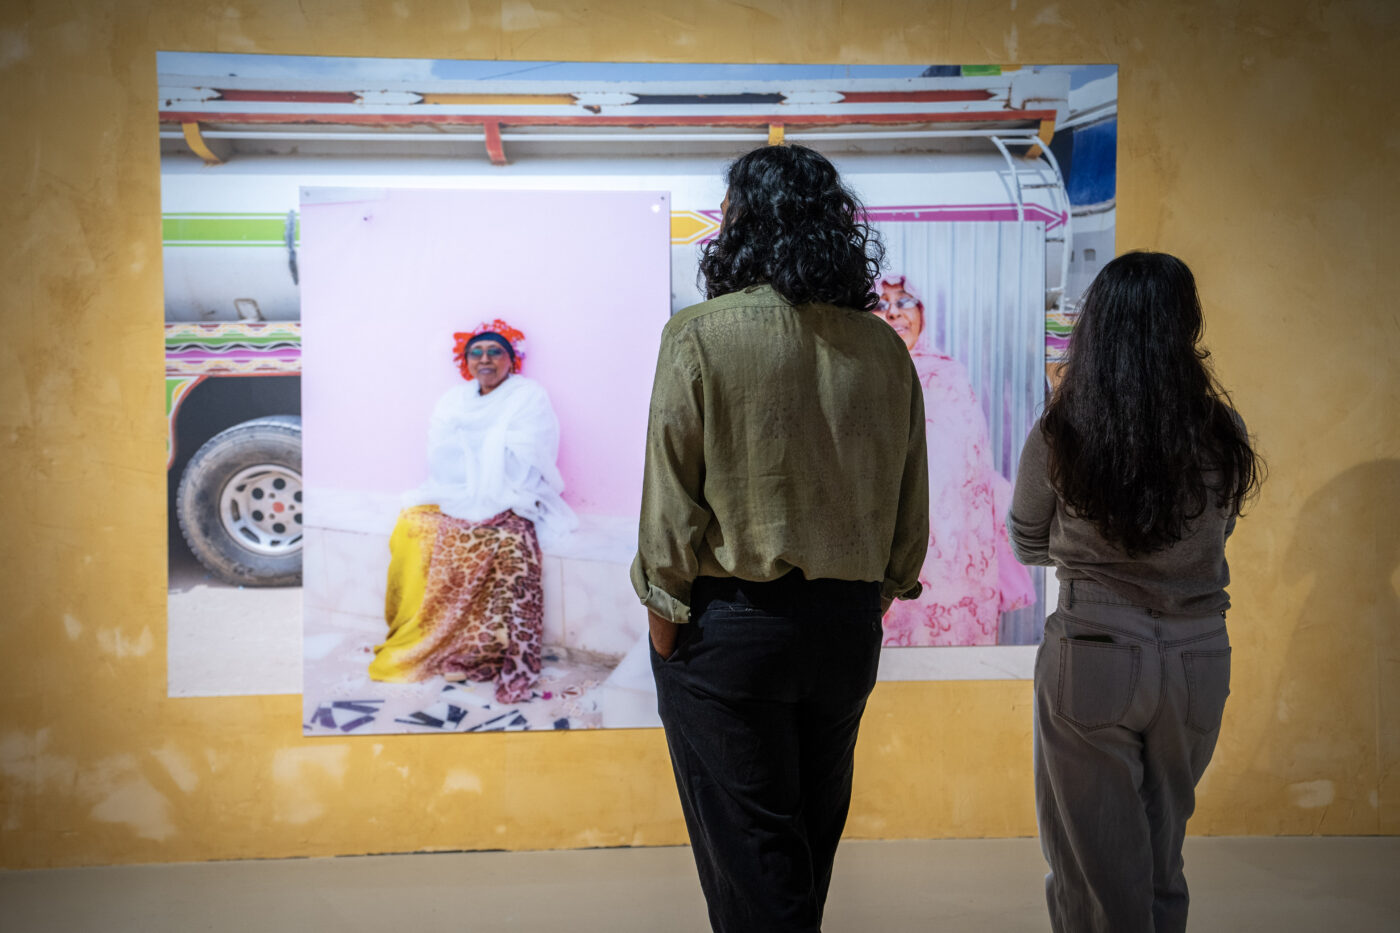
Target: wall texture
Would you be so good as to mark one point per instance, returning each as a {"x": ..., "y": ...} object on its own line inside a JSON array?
[{"x": 1256, "y": 142}]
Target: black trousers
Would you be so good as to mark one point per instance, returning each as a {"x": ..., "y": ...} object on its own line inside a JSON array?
[{"x": 762, "y": 701}]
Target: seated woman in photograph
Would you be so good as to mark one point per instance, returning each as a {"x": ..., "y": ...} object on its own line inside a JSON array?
[
  {"x": 1129, "y": 485},
  {"x": 970, "y": 576},
  {"x": 464, "y": 599}
]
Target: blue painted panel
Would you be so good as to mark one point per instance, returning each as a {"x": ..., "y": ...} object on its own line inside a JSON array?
[{"x": 1093, "y": 164}]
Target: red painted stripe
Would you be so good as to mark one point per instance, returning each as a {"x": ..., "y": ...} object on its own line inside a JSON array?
[
  {"x": 494, "y": 149},
  {"x": 208, "y": 118},
  {"x": 292, "y": 97},
  {"x": 896, "y": 97}
]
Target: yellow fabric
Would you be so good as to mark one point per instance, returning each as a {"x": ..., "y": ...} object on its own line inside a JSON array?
[
  {"x": 464, "y": 600},
  {"x": 410, "y": 552}
]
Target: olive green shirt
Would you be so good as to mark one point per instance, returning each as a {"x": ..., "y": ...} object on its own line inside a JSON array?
[{"x": 781, "y": 438}]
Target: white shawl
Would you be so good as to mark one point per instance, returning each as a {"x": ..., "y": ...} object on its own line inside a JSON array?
[{"x": 488, "y": 453}]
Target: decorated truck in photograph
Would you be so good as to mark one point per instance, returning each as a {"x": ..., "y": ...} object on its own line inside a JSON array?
[
  {"x": 238, "y": 147},
  {"x": 233, "y": 396}
]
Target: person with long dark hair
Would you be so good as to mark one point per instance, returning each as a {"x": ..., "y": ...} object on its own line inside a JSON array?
[
  {"x": 784, "y": 506},
  {"x": 1129, "y": 486}
]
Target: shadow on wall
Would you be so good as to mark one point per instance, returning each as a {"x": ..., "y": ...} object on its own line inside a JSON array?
[{"x": 1337, "y": 694}]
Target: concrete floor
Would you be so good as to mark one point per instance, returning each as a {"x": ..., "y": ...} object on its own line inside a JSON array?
[{"x": 1280, "y": 885}]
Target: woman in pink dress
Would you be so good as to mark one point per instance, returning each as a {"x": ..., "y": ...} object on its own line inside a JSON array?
[{"x": 970, "y": 576}]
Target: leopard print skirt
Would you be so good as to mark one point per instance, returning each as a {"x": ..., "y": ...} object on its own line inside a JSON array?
[{"x": 464, "y": 599}]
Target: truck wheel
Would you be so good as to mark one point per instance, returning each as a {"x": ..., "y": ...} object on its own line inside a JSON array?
[{"x": 239, "y": 503}]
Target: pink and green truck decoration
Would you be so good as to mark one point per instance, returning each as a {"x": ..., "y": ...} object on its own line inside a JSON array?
[{"x": 238, "y": 501}]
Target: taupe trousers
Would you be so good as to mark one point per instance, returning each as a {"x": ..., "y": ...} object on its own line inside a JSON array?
[{"x": 1128, "y": 703}]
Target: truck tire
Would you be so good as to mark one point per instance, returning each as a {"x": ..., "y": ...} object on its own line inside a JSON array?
[{"x": 239, "y": 503}]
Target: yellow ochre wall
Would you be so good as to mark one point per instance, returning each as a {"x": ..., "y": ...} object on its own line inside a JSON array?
[{"x": 1258, "y": 142}]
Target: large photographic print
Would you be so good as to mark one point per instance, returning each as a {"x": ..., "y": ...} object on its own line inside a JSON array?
[
  {"x": 337, "y": 231},
  {"x": 463, "y": 547}
]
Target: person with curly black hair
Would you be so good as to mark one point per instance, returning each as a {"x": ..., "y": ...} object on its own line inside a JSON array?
[
  {"x": 784, "y": 506},
  {"x": 1129, "y": 485}
]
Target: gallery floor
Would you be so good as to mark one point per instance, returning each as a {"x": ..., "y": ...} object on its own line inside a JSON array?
[{"x": 1279, "y": 885}]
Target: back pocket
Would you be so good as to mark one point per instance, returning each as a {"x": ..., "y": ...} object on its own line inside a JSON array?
[
  {"x": 1207, "y": 686},
  {"x": 1097, "y": 681}
]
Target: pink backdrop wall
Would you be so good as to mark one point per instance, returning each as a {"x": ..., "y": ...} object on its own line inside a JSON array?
[{"x": 389, "y": 275}]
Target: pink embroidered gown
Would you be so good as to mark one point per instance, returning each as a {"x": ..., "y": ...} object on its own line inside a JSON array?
[{"x": 970, "y": 576}]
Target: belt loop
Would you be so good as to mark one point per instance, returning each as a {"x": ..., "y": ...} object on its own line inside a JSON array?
[{"x": 1069, "y": 594}]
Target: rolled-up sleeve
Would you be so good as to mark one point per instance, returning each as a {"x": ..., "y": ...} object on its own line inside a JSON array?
[
  {"x": 1032, "y": 504},
  {"x": 910, "y": 544},
  {"x": 674, "y": 515}
]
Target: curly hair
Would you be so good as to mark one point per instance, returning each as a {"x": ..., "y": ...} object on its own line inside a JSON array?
[
  {"x": 1142, "y": 438},
  {"x": 792, "y": 224}
]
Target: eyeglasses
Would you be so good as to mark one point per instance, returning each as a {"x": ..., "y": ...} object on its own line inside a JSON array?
[
  {"x": 491, "y": 353},
  {"x": 903, "y": 304}
]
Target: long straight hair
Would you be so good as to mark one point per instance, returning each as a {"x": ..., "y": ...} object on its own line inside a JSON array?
[{"x": 1142, "y": 437}]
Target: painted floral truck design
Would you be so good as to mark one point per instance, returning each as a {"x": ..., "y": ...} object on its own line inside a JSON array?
[{"x": 237, "y": 494}]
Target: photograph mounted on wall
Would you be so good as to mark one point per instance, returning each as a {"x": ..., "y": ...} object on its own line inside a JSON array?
[{"x": 356, "y": 248}]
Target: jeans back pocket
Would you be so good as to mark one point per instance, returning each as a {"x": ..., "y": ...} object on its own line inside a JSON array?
[
  {"x": 1207, "y": 686},
  {"x": 1097, "y": 681}
]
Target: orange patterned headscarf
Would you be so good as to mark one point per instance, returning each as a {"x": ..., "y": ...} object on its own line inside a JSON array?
[{"x": 512, "y": 336}]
